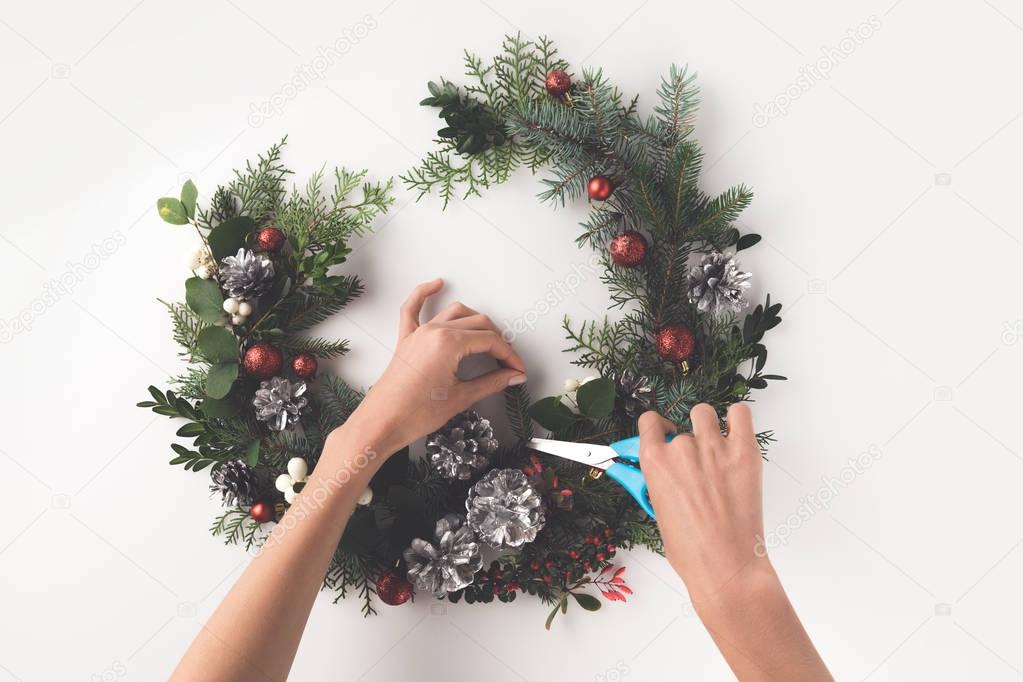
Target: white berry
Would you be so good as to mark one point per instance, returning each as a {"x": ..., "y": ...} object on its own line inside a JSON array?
[
  {"x": 366, "y": 497},
  {"x": 571, "y": 385},
  {"x": 231, "y": 305},
  {"x": 238, "y": 320},
  {"x": 245, "y": 308},
  {"x": 587, "y": 380},
  {"x": 298, "y": 469},
  {"x": 284, "y": 483},
  {"x": 202, "y": 272},
  {"x": 290, "y": 495}
]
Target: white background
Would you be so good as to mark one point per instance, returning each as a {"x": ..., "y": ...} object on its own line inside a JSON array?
[{"x": 887, "y": 196}]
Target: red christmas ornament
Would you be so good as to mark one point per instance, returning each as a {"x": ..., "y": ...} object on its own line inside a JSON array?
[
  {"x": 262, "y": 512},
  {"x": 262, "y": 361},
  {"x": 599, "y": 187},
  {"x": 558, "y": 83},
  {"x": 304, "y": 365},
  {"x": 628, "y": 249},
  {"x": 393, "y": 588},
  {"x": 675, "y": 343},
  {"x": 270, "y": 239}
]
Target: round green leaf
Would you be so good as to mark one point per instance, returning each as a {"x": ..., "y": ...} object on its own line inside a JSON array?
[
  {"x": 203, "y": 296},
  {"x": 587, "y": 601},
  {"x": 226, "y": 238},
  {"x": 596, "y": 398},
  {"x": 217, "y": 344},
  {"x": 220, "y": 379},
  {"x": 551, "y": 413},
  {"x": 172, "y": 211},
  {"x": 220, "y": 408}
]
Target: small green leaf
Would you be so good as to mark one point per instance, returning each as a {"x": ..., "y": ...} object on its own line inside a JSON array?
[
  {"x": 554, "y": 612},
  {"x": 587, "y": 601},
  {"x": 217, "y": 344},
  {"x": 188, "y": 196},
  {"x": 551, "y": 413},
  {"x": 596, "y": 398},
  {"x": 252, "y": 453},
  {"x": 220, "y": 408},
  {"x": 203, "y": 296},
  {"x": 190, "y": 430},
  {"x": 172, "y": 211},
  {"x": 226, "y": 238},
  {"x": 746, "y": 241},
  {"x": 220, "y": 379}
]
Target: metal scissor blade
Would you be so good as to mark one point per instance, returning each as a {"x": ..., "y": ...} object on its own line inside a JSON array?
[{"x": 599, "y": 456}]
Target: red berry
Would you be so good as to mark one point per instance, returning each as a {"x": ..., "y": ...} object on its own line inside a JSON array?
[
  {"x": 262, "y": 512},
  {"x": 535, "y": 565},
  {"x": 528, "y": 471},
  {"x": 270, "y": 239},
  {"x": 587, "y": 565},
  {"x": 675, "y": 343},
  {"x": 304, "y": 365},
  {"x": 608, "y": 532},
  {"x": 600, "y": 556},
  {"x": 611, "y": 549},
  {"x": 548, "y": 564},
  {"x": 547, "y": 579},
  {"x": 572, "y": 554},
  {"x": 628, "y": 249}
]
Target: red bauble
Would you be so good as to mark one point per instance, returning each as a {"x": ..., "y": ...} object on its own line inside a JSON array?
[
  {"x": 262, "y": 361},
  {"x": 599, "y": 187},
  {"x": 393, "y": 588},
  {"x": 558, "y": 83},
  {"x": 262, "y": 512},
  {"x": 304, "y": 365},
  {"x": 675, "y": 343},
  {"x": 270, "y": 239},
  {"x": 628, "y": 249}
]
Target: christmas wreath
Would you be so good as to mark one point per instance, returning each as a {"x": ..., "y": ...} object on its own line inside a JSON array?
[{"x": 265, "y": 272}]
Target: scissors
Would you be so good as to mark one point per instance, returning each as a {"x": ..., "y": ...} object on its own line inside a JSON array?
[{"x": 620, "y": 460}]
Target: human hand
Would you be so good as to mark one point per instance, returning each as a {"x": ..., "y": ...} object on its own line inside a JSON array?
[
  {"x": 419, "y": 391},
  {"x": 706, "y": 489}
]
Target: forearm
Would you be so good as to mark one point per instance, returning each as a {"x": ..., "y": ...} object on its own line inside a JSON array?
[
  {"x": 758, "y": 632},
  {"x": 257, "y": 628}
]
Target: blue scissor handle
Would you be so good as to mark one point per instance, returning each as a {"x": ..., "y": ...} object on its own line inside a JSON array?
[{"x": 629, "y": 476}]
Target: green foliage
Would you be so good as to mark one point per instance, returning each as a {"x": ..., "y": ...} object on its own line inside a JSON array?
[{"x": 205, "y": 299}]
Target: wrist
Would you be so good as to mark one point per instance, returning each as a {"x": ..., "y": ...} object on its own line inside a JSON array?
[{"x": 752, "y": 587}]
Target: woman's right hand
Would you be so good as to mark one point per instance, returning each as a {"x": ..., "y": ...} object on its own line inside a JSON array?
[{"x": 420, "y": 390}]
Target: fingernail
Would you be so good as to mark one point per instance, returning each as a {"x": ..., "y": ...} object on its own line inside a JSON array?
[{"x": 517, "y": 380}]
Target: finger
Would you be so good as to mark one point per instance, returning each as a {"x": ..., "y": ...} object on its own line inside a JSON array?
[
  {"x": 651, "y": 425},
  {"x": 740, "y": 422},
  {"x": 490, "y": 342},
  {"x": 705, "y": 421},
  {"x": 490, "y": 383},
  {"x": 455, "y": 311},
  {"x": 475, "y": 322},
  {"x": 408, "y": 316}
]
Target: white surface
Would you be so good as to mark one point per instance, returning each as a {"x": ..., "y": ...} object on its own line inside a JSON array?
[{"x": 898, "y": 284}]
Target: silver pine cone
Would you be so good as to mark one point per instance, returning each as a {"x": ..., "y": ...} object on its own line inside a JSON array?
[
  {"x": 246, "y": 276},
  {"x": 717, "y": 285},
  {"x": 280, "y": 402},
  {"x": 504, "y": 509},
  {"x": 235, "y": 482},
  {"x": 447, "y": 564},
  {"x": 463, "y": 446},
  {"x": 635, "y": 394}
]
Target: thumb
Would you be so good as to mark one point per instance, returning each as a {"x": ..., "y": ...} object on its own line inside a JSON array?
[{"x": 490, "y": 383}]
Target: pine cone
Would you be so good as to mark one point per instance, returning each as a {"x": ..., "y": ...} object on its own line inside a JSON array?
[
  {"x": 504, "y": 509},
  {"x": 716, "y": 285},
  {"x": 449, "y": 563},
  {"x": 236, "y": 483},
  {"x": 635, "y": 394},
  {"x": 462, "y": 446},
  {"x": 280, "y": 402},
  {"x": 246, "y": 276}
]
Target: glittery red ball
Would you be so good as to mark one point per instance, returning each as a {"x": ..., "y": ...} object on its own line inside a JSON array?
[
  {"x": 558, "y": 82},
  {"x": 599, "y": 187},
  {"x": 262, "y": 361},
  {"x": 270, "y": 239},
  {"x": 262, "y": 512},
  {"x": 628, "y": 249},
  {"x": 675, "y": 343},
  {"x": 393, "y": 588},
  {"x": 304, "y": 365}
]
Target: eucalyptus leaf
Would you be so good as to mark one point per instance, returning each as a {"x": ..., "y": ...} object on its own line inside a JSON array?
[
  {"x": 217, "y": 344},
  {"x": 226, "y": 238},
  {"x": 172, "y": 211},
  {"x": 204, "y": 298},
  {"x": 220, "y": 408},
  {"x": 252, "y": 453},
  {"x": 220, "y": 379},
  {"x": 596, "y": 398},
  {"x": 189, "y": 194}
]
